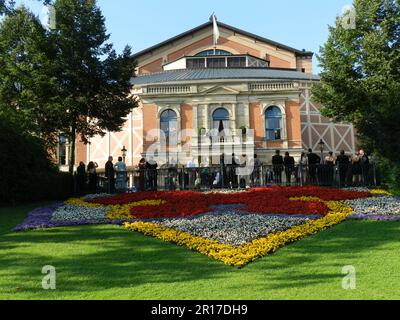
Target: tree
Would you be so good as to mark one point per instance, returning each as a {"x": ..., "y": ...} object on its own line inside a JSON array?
[
  {"x": 66, "y": 80},
  {"x": 360, "y": 81},
  {"x": 28, "y": 86},
  {"x": 7, "y": 6},
  {"x": 94, "y": 81}
]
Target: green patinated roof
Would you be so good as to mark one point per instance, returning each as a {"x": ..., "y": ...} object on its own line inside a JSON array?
[{"x": 186, "y": 75}]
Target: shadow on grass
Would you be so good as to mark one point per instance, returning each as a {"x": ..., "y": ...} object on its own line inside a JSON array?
[
  {"x": 96, "y": 258},
  {"x": 332, "y": 249},
  {"x": 102, "y": 257}
]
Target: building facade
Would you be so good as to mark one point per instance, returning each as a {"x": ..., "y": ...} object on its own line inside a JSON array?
[{"x": 244, "y": 91}]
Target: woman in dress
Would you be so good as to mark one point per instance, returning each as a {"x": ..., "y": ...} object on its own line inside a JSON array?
[
  {"x": 356, "y": 169},
  {"x": 330, "y": 163}
]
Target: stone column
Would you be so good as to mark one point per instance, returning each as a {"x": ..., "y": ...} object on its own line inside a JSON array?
[{"x": 207, "y": 116}]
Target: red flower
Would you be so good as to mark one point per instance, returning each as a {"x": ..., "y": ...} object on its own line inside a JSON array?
[{"x": 270, "y": 200}]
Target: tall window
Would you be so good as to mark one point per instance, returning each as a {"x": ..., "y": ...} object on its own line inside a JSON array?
[
  {"x": 169, "y": 125},
  {"x": 273, "y": 123},
  {"x": 62, "y": 151},
  {"x": 221, "y": 119}
]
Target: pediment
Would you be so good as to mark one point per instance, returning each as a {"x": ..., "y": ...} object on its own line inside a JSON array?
[{"x": 220, "y": 90}]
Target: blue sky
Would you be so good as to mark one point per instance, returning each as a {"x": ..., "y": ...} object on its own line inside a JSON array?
[{"x": 141, "y": 24}]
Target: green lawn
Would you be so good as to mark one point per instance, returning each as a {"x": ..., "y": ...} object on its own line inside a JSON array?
[{"x": 108, "y": 262}]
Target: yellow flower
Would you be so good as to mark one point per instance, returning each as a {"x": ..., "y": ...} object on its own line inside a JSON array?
[
  {"x": 81, "y": 202},
  {"x": 380, "y": 191},
  {"x": 123, "y": 211},
  {"x": 242, "y": 255}
]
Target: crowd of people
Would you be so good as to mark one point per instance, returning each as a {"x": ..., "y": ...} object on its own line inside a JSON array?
[
  {"x": 87, "y": 178},
  {"x": 351, "y": 170},
  {"x": 343, "y": 169}
]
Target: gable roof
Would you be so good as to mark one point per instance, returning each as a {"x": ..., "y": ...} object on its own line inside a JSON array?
[{"x": 226, "y": 26}]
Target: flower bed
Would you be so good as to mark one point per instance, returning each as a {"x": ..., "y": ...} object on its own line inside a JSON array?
[
  {"x": 233, "y": 227},
  {"x": 260, "y": 200}
]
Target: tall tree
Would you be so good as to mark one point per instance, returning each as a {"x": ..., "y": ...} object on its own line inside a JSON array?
[
  {"x": 28, "y": 85},
  {"x": 7, "y": 6},
  {"x": 89, "y": 89},
  {"x": 94, "y": 81},
  {"x": 360, "y": 81}
]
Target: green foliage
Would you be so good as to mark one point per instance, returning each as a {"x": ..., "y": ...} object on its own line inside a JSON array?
[
  {"x": 67, "y": 80},
  {"x": 26, "y": 172},
  {"x": 28, "y": 86},
  {"x": 389, "y": 172},
  {"x": 361, "y": 75}
]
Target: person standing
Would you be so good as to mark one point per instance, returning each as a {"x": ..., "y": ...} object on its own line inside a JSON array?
[
  {"x": 289, "y": 164},
  {"x": 343, "y": 162},
  {"x": 277, "y": 163},
  {"x": 329, "y": 163},
  {"x": 303, "y": 168},
  {"x": 91, "y": 170},
  {"x": 356, "y": 169},
  {"x": 110, "y": 174},
  {"x": 256, "y": 174},
  {"x": 364, "y": 168},
  {"x": 191, "y": 173},
  {"x": 313, "y": 161},
  {"x": 122, "y": 176},
  {"x": 233, "y": 171},
  {"x": 151, "y": 167},
  {"x": 81, "y": 178},
  {"x": 142, "y": 174}
]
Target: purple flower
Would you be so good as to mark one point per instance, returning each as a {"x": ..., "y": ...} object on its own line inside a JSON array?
[{"x": 377, "y": 217}]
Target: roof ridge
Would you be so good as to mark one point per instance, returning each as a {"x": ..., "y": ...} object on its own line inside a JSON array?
[{"x": 227, "y": 26}]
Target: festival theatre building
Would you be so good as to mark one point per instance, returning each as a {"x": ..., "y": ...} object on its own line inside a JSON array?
[{"x": 232, "y": 83}]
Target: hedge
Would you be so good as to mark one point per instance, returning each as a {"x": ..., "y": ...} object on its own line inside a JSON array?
[{"x": 26, "y": 171}]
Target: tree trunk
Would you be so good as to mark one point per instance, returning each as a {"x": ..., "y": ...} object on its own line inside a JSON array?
[{"x": 73, "y": 142}]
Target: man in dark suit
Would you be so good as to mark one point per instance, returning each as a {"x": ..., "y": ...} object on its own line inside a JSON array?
[
  {"x": 110, "y": 174},
  {"x": 289, "y": 164},
  {"x": 313, "y": 161},
  {"x": 277, "y": 163},
  {"x": 343, "y": 162},
  {"x": 151, "y": 167}
]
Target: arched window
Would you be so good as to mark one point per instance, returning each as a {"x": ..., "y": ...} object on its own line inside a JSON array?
[
  {"x": 273, "y": 123},
  {"x": 220, "y": 119},
  {"x": 211, "y": 52},
  {"x": 169, "y": 124}
]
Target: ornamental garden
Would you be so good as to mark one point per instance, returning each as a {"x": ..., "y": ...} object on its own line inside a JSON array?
[{"x": 233, "y": 227}]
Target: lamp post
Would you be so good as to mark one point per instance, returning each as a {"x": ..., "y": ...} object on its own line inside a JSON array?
[
  {"x": 321, "y": 148},
  {"x": 124, "y": 153}
]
